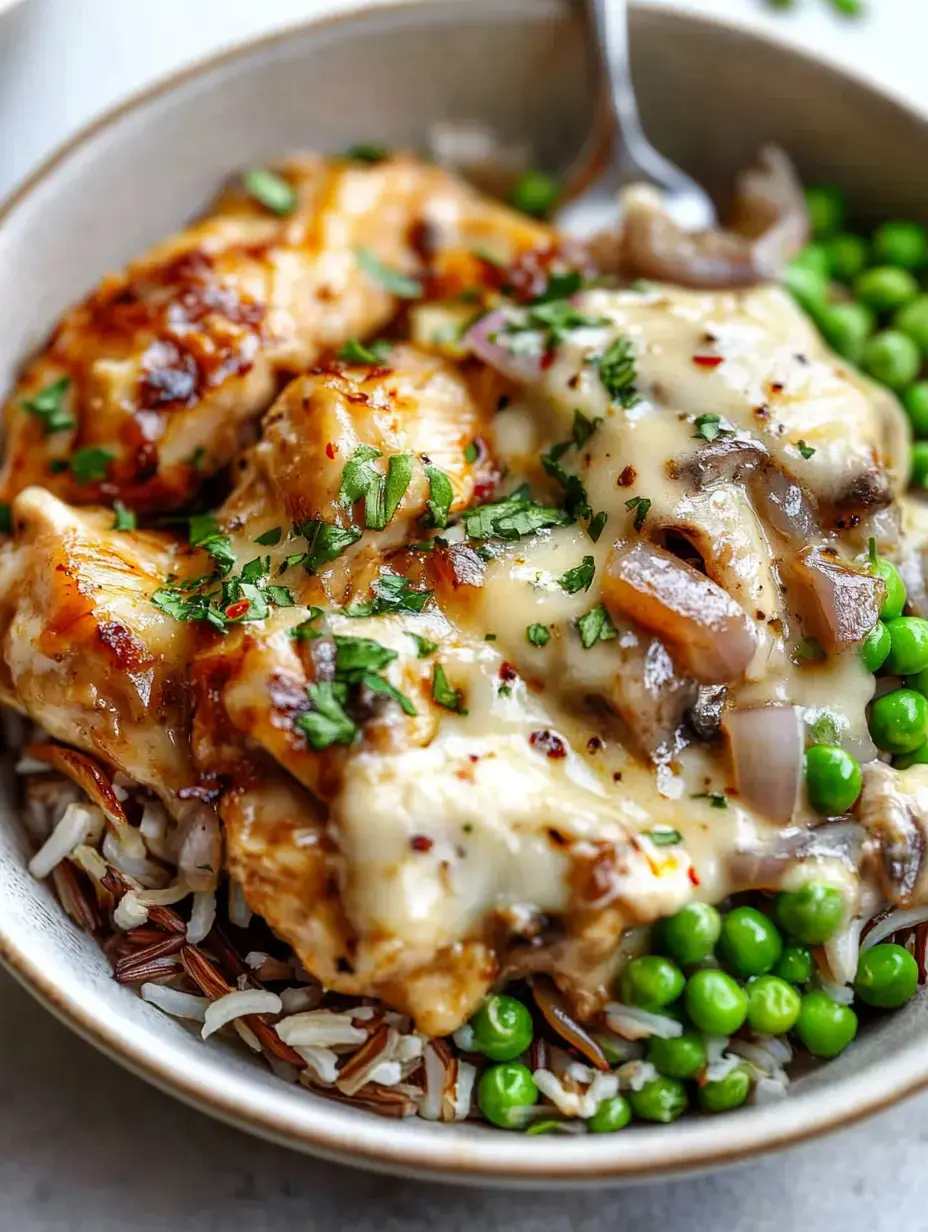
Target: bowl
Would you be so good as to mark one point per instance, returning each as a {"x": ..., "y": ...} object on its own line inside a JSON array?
[{"x": 710, "y": 95}]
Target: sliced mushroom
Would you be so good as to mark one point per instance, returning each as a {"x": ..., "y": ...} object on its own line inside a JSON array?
[
  {"x": 707, "y": 633},
  {"x": 839, "y": 604},
  {"x": 894, "y": 812}
]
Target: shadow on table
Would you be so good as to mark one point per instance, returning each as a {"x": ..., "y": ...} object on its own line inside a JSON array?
[{"x": 85, "y": 1145}]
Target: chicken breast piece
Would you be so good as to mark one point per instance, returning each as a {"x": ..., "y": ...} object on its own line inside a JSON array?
[{"x": 147, "y": 386}]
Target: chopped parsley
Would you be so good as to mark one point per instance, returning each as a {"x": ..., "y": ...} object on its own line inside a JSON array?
[
  {"x": 270, "y": 190},
  {"x": 444, "y": 693},
  {"x": 355, "y": 352},
  {"x": 307, "y": 630},
  {"x": 708, "y": 427},
  {"x": 354, "y": 656},
  {"x": 381, "y": 493},
  {"x": 6, "y": 519},
  {"x": 561, "y": 286},
  {"x": 390, "y": 592},
  {"x": 270, "y": 538},
  {"x": 580, "y": 577},
  {"x": 205, "y": 533},
  {"x": 715, "y": 798},
  {"x": 48, "y": 406},
  {"x": 597, "y": 525},
  {"x": 595, "y": 626},
  {"x": 327, "y": 723},
  {"x": 89, "y": 465},
  {"x": 424, "y": 647},
  {"x": 641, "y": 505},
  {"x": 583, "y": 428},
  {"x": 555, "y": 319},
  {"x": 806, "y": 450},
  {"x": 538, "y": 635},
  {"x": 511, "y": 518},
  {"x": 397, "y": 283},
  {"x": 617, "y": 373},
  {"x": 471, "y": 453},
  {"x": 664, "y": 838},
  {"x": 575, "y": 497},
  {"x": 123, "y": 518},
  {"x": 441, "y": 494},
  {"x": 377, "y": 684},
  {"x": 197, "y": 458},
  {"x": 325, "y": 543},
  {"x": 370, "y": 152}
]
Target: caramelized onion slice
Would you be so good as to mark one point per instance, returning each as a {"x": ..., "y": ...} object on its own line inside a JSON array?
[
  {"x": 839, "y": 605},
  {"x": 705, "y": 630},
  {"x": 483, "y": 338},
  {"x": 95, "y": 781},
  {"x": 766, "y": 749},
  {"x": 769, "y": 225}
]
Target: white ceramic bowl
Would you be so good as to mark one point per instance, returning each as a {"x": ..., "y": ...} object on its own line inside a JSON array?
[{"x": 710, "y": 96}]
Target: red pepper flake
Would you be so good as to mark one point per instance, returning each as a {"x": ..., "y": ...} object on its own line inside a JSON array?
[
  {"x": 507, "y": 673},
  {"x": 693, "y": 876},
  {"x": 548, "y": 743},
  {"x": 594, "y": 744},
  {"x": 237, "y": 609},
  {"x": 707, "y": 361},
  {"x": 483, "y": 491},
  {"x": 627, "y": 477},
  {"x": 330, "y": 450},
  {"x": 548, "y": 359},
  {"x": 421, "y": 842}
]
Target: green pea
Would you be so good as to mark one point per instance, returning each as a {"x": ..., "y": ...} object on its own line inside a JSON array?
[
  {"x": 899, "y": 721},
  {"x": 826, "y": 210},
  {"x": 891, "y": 358},
  {"x": 913, "y": 321},
  {"x": 812, "y": 914},
  {"x": 814, "y": 257},
  {"x": 682, "y": 1057},
  {"x": 661, "y": 1099},
  {"x": 825, "y": 1027},
  {"x": 773, "y": 1005},
  {"x": 885, "y": 289},
  {"x": 918, "y": 757},
  {"x": 611, "y": 1115},
  {"x": 750, "y": 943},
  {"x": 894, "y": 603},
  {"x": 535, "y": 194},
  {"x": 502, "y": 1028},
  {"x": 651, "y": 981},
  {"x": 795, "y": 965},
  {"x": 503, "y": 1091},
  {"x": 915, "y": 401},
  {"x": 848, "y": 255},
  {"x": 875, "y": 647},
  {"x": 833, "y": 779},
  {"x": 808, "y": 287},
  {"x": 727, "y": 1093},
  {"x": 846, "y": 328},
  {"x": 887, "y": 976},
  {"x": 714, "y": 1002},
  {"x": 908, "y": 652},
  {"x": 691, "y": 934},
  {"x": 901, "y": 243},
  {"x": 919, "y": 466}
]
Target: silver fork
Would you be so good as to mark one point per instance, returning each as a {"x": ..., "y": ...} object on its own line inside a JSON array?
[{"x": 632, "y": 158}]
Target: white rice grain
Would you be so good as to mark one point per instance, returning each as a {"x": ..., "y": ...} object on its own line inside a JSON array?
[
  {"x": 464, "y": 1090},
  {"x": 77, "y": 824},
  {"x": 130, "y": 913},
  {"x": 177, "y": 1004},
  {"x": 573, "y": 1103},
  {"x": 319, "y": 1029},
  {"x": 202, "y": 917},
  {"x": 322, "y": 1061},
  {"x": 633, "y": 1023},
  {"x": 235, "y": 1005},
  {"x": 909, "y": 917}
]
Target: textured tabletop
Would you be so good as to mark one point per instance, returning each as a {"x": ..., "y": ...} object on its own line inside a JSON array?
[{"x": 84, "y": 1145}]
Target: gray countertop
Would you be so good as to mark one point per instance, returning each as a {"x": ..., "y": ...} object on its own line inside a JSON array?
[{"x": 85, "y": 1146}]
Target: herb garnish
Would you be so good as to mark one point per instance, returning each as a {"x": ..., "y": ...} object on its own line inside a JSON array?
[
  {"x": 307, "y": 630},
  {"x": 356, "y": 352},
  {"x": 555, "y": 319},
  {"x": 580, "y": 577},
  {"x": 89, "y": 465},
  {"x": 597, "y": 525},
  {"x": 381, "y": 493},
  {"x": 595, "y": 626},
  {"x": 471, "y": 453},
  {"x": 123, "y": 518},
  {"x": 424, "y": 647},
  {"x": 512, "y": 517},
  {"x": 806, "y": 450},
  {"x": 538, "y": 635},
  {"x": 715, "y": 798},
  {"x": 6, "y": 519},
  {"x": 617, "y": 373},
  {"x": 47, "y": 405},
  {"x": 397, "y": 283},
  {"x": 390, "y": 593},
  {"x": 327, "y": 723},
  {"x": 205, "y": 533},
  {"x": 270, "y": 190},
  {"x": 641, "y": 505},
  {"x": 664, "y": 838},
  {"x": 325, "y": 543},
  {"x": 368, "y": 152},
  {"x": 441, "y": 494},
  {"x": 270, "y": 538},
  {"x": 444, "y": 693},
  {"x": 708, "y": 427}
]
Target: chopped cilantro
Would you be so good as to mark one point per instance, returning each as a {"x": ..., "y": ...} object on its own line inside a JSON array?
[
  {"x": 535, "y": 193},
  {"x": 398, "y": 284},
  {"x": 555, "y": 318},
  {"x": 617, "y": 372},
  {"x": 89, "y": 465},
  {"x": 47, "y": 405},
  {"x": 123, "y": 518},
  {"x": 511, "y": 517},
  {"x": 538, "y": 635},
  {"x": 580, "y": 577},
  {"x": 270, "y": 538},
  {"x": 444, "y": 693},
  {"x": 356, "y": 655},
  {"x": 377, "y": 684},
  {"x": 390, "y": 593},
  {"x": 399, "y": 473},
  {"x": 575, "y": 497},
  {"x": 325, "y": 543},
  {"x": 664, "y": 838},
  {"x": 641, "y": 505},
  {"x": 561, "y": 286},
  {"x": 806, "y": 450},
  {"x": 280, "y": 596},
  {"x": 355, "y": 352},
  {"x": 381, "y": 493},
  {"x": 441, "y": 494},
  {"x": 306, "y": 630},
  {"x": 471, "y": 453},
  {"x": 327, "y": 723},
  {"x": 583, "y": 428},
  {"x": 489, "y": 637},
  {"x": 204, "y": 532},
  {"x": 270, "y": 190},
  {"x": 597, "y": 525},
  {"x": 595, "y": 626},
  {"x": 708, "y": 426},
  {"x": 424, "y": 647},
  {"x": 715, "y": 798},
  {"x": 368, "y": 152}
]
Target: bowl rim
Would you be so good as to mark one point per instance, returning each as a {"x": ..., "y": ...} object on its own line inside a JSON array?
[{"x": 420, "y": 1149}]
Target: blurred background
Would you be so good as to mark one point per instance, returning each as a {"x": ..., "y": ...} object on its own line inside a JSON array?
[{"x": 85, "y": 1146}]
